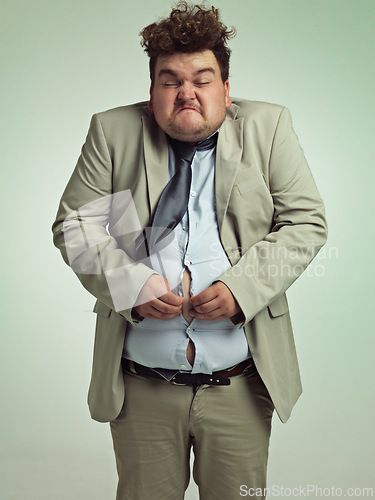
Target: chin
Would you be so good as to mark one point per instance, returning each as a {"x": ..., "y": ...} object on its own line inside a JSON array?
[
  {"x": 188, "y": 137},
  {"x": 187, "y": 128},
  {"x": 189, "y": 134}
]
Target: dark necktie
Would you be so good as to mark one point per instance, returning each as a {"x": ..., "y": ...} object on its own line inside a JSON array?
[{"x": 174, "y": 199}]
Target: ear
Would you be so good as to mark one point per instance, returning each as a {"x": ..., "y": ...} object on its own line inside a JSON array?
[
  {"x": 228, "y": 100},
  {"x": 149, "y": 104}
]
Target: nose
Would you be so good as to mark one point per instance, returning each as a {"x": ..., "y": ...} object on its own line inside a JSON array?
[{"x": 186, "y": 92}]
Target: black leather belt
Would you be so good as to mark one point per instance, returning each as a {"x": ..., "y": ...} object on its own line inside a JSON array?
[{"x": 221, "y": 377}]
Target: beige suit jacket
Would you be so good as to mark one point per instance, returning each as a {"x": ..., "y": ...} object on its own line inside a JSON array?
[{"x": 270, "y": 217}]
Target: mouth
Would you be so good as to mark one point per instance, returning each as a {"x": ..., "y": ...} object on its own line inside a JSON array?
[{"x": 188, "y": 108}]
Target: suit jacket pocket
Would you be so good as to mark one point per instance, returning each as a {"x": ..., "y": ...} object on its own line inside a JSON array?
[
  {"x": 278, "y": 307},
  {"x": 101, "y": 309},
  {"x": 254, "y": 182}
]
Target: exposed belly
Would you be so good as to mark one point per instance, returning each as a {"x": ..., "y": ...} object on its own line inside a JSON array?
[{"x": 186, "y": 306}]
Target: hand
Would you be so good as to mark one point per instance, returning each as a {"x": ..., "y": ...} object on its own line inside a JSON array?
[
  {"x": 156, "y": 301},
  {"x": 214, "y": 303}
]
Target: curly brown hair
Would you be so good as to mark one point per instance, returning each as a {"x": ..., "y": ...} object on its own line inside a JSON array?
[{"x": 189, "y": 28}]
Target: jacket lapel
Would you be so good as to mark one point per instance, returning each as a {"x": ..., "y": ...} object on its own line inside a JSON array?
[
  {"x": 156, "y": 159},
  {"x": 228, "y": 157}
]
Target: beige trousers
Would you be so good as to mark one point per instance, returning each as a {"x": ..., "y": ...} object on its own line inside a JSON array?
[{"x": 228, "y": 428}]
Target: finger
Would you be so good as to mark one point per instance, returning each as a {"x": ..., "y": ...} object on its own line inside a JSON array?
[
  {"x": 172, "y": 299},
  {"x": 217, "y": 314},
  {"x": 208, "y": 307},
  {"x": 158, "y": 305},
  {"x": 149, "y": 311},
  {"x": 207, "y": 295},
  {"x": 165, "y": 307},
  {"x": 211, "y": 316},
  {"x": 158, "y": 315}
]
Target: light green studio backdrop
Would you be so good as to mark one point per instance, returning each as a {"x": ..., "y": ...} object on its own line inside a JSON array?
[{"x": 64, "y": 60}]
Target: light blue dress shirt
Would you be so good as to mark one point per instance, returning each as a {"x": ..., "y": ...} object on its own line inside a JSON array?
[{"x": 163, "y": 343}]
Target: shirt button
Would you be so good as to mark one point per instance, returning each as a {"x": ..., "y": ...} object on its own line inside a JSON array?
[
  {"x": 189, "y": 329},
  {"x": 192, "y": 193},
  {"x": 187, "y": 262},
  {"x": 182, "y": 367},
  {"x": 185, "y": 228}
]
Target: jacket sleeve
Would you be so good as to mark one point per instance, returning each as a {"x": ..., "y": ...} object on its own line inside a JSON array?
[
  {"x": 267, "y": 269},
  {"x": 80, "y": 230}
]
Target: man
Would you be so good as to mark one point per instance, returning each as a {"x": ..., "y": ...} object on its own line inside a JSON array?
[{"x": 188, "y": 217}]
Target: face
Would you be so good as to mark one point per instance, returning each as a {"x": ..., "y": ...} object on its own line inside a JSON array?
[{"x": 188, "y": 97}]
